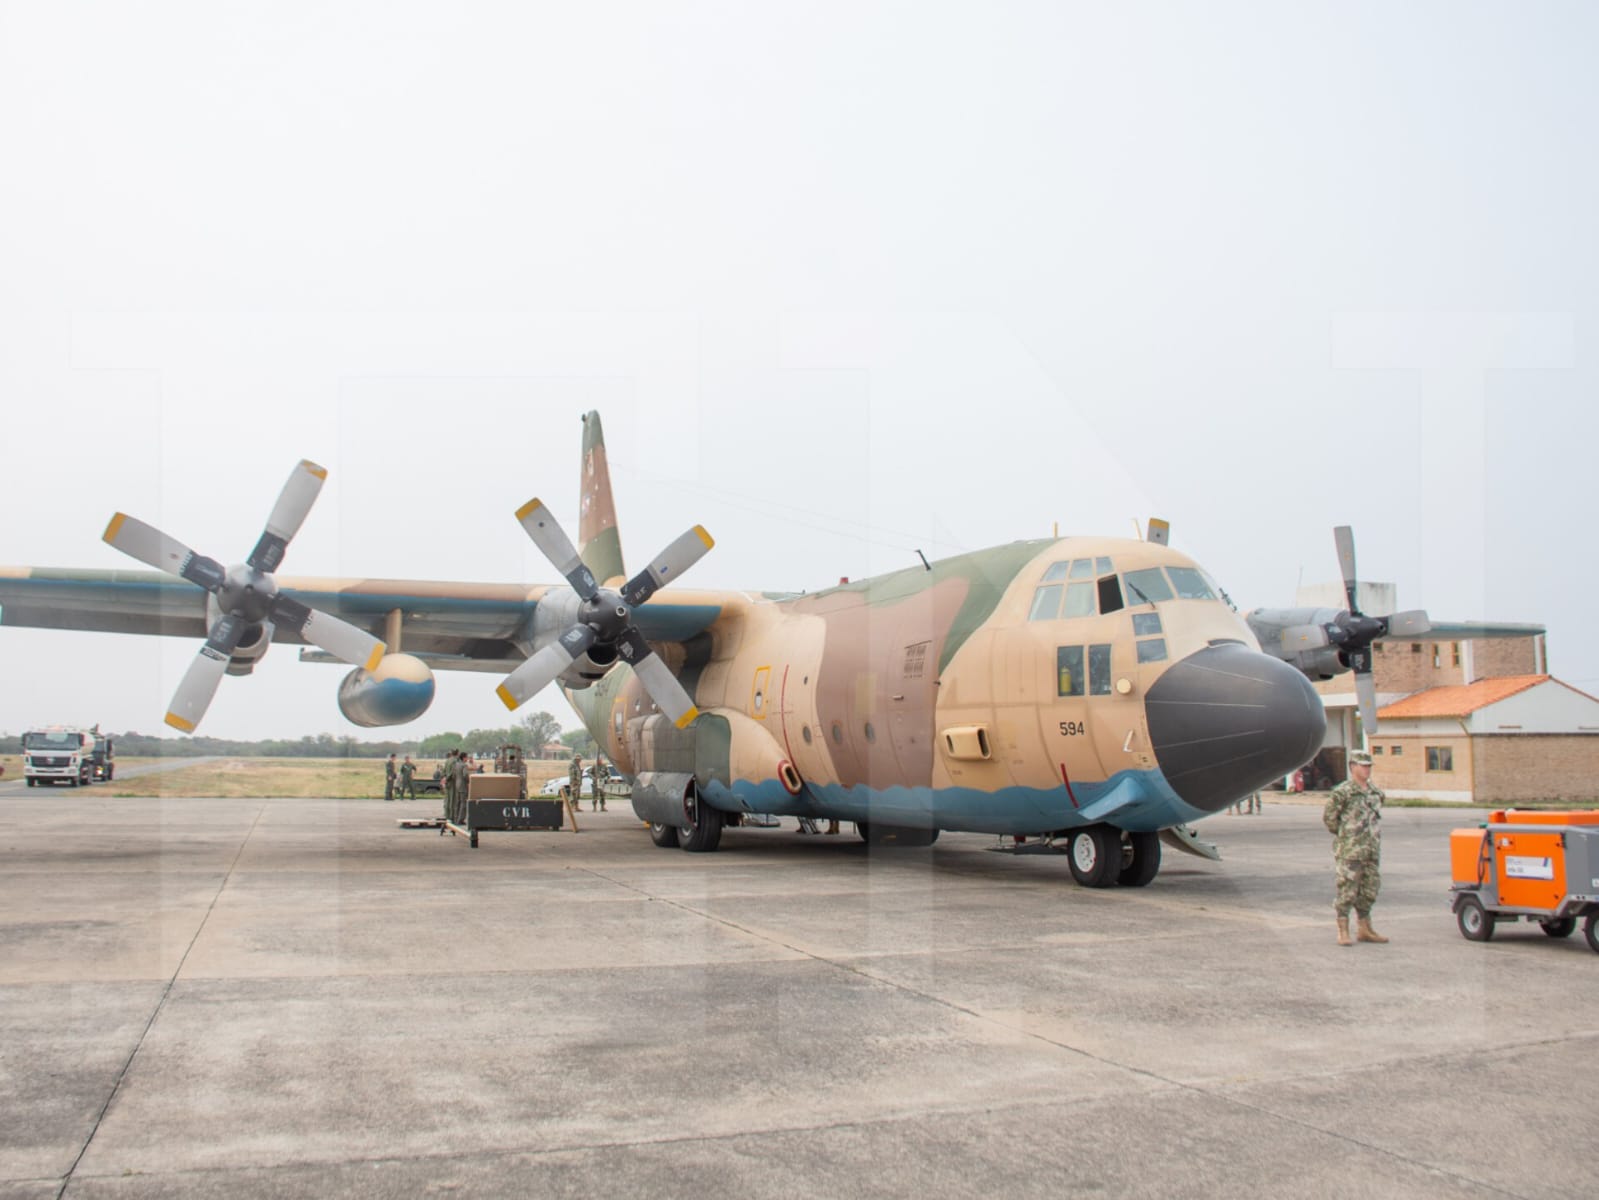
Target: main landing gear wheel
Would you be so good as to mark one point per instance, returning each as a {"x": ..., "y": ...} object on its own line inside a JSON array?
[
  {"x": 1476, "y": 922},
  {"x": 1096, "y": 856},
  {"x": 664, "y": 836},
  {"x": 898, "y": 835},
  {"x": 701, "y": 831},
  {"x": 1590, "y": 930},
  {"x": 1140, "y": 859},
  {"x": 1559, "y": 927}
]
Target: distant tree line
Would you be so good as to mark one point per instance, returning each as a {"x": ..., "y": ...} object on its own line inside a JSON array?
[{"x": 531, "y": 733}]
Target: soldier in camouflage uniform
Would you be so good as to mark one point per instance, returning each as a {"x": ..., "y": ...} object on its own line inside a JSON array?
[
  {"x": 574, "y": 781},
  {"x": 449, "y": 786},
  {"x": 1354, "y": 817},
  {"x": 407, "y": 789},
  {"x": 463, "y": 772}
]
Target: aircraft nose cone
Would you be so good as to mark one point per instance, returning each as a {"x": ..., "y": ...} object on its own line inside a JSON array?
[{"x": 1227, "y": 720}]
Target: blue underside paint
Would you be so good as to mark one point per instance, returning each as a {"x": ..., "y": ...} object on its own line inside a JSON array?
[
  {"x": 396, "y": 701},
  {"x": 1132, "y": 800}
]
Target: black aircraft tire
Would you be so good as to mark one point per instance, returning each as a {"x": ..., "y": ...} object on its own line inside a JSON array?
[
  {"x": 705, "y": 834},
  {"x": 864, "y": 828},
  {"x": 664, "y": 836},
  {"x": 1476, "y": 922},
  {"x": 1095, "y": 855},
  {"x": 1590, "y": 930},
  {"x": 1141, "y": 871},
  {"x": 1560, "y": 927}
]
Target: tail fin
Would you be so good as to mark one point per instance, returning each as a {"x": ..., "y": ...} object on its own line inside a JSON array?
[{"x": 599, "y": 544}]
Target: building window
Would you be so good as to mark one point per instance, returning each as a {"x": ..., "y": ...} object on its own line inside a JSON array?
[
  {"x": 1415, "y": 647},
  {"x": 1455, "y": 653},
  {"x": 1440, "y": 758},
  {"x": 1437, "y": 656},
  {"x": 1379, "y": 647},
  {"x": 1396, "y": 751},
  {"x": 1376, "y": 749}
]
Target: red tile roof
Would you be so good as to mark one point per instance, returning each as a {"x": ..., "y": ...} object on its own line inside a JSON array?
[{"x": 1458, "y": 701}]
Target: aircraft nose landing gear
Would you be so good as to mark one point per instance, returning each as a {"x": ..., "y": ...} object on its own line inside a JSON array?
[{"x": 1103, "y": 856}]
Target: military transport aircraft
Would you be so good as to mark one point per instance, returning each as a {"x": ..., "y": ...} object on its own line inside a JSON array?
[{"x": 1102, "y": 690}]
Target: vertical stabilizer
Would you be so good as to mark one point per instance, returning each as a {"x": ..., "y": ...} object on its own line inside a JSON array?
[{"x": 599, "y": 543}]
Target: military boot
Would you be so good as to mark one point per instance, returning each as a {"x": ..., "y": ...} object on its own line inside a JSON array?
[
  {"x": 1343, "y": 932},
  {"x": 1365, "y": 933}
]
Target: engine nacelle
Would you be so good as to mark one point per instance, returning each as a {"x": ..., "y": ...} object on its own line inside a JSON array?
[
  {"x": 257, "y": 640},
  {"x": 400, "y": 690},
  {"x": 1315, "y": 662}
]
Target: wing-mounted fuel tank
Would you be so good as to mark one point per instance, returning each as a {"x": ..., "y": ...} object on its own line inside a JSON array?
[
  {"x": 733, "y": 762},
  {"x": 399, "y": 690}
]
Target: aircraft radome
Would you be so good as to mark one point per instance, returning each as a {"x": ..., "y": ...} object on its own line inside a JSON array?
[{"x": 1101, "y": 690}]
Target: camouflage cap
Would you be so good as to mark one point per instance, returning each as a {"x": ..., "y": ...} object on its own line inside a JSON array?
[{"x": 1359, "y": 758}]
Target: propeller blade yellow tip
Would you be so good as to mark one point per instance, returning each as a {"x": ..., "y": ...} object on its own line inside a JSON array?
[
  {"x": 527, "y": 508},
  {"x": 112, "y": 529},
  {"x": 704, "y": 537},
  {"x": 688, "y": 718},
  {"x": 504, "y": 693},
  {"x": 178, "y": 722}
]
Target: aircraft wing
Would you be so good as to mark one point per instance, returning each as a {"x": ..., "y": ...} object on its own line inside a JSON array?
[
  {"x": 1465, "y": 631},
  {"x": 460, "y": 626}
]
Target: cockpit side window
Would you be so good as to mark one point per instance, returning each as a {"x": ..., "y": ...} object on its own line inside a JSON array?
[
  {"x": 1069, "y": 670},
  {"x": 1190, "y": 584},
  {"x": 1056, "y": 572},
  {"x": 1046, "y": 603},
  {"x": 1148, "y": 586},
  {"x": 1099, "y": 670},
  {"x": 1110, "y": 595}
]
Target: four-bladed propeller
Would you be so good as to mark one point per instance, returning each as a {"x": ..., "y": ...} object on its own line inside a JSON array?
[
  {"x": 247, "y": 597},
  {"x": 605, "y": 617},
  {"x": 1352, "y": 632}
]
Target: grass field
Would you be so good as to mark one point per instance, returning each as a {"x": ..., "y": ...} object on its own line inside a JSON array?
[{"x": 331, "y": 778}]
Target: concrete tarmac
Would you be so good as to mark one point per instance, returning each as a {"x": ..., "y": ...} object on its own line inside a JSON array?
[{"x": 289, "y": 997}]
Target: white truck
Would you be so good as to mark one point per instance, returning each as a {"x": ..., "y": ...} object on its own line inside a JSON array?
[{"x": 60, "y": 753}]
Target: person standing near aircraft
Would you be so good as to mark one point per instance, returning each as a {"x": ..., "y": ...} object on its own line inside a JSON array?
[
  {"x": 1353, "y": 816},
  {"x": 597, "y": 802},
  {"x": 463, "y": 779},
  {"x": 408, "y": 779},
  {"x": 574, "y": 780},
  {"x": 449, "y": 786},
  {"x": 389, "y": 772}
]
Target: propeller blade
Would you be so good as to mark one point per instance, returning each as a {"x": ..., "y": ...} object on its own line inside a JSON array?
[
  {"x": 668, "y": 565},
  {"x": 551, "y": 539},
  {"x": 154, "y": 548},
  {"x": 338, "y": 637},
  {"x": 538, "y": 672},
  {"x": 1304, "y": 637},
  {"x": 657, "y": 678},
  {"x": 288, "y": 514},
  {"x": 1366, "y": 691},
  {"x": 1413, "y": 623},
  {"x": 200, "y": 681},
  {"x": 1344, "y": 538}
]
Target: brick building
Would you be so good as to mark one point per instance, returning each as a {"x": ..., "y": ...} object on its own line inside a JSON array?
[{"x": 1500, "y": 740}]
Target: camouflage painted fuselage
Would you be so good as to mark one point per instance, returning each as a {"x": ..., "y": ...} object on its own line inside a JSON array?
[{"x": 956, "y": 697}]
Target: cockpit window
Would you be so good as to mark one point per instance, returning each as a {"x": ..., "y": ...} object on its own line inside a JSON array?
[
  {"x": 1099, "y": 670},
  {"x": 1069, "y": 670},
  {"x": 1102, "y": 565},
  {"x": 1046, "y": 603},
  {"x": 1082, "y": 568},
  {"x": 1190, "y": 584},
  {"x": 1079, "y": 600},
  {"x": 1145, "y": 624},
  {"x": 1110, "y": 595},
  {"x": 1057, "y": 571},
  {"x": 1148, "y": 586}
]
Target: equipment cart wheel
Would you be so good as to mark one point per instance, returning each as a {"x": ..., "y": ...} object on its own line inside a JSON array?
[
  {"x": 1476, "y": 922},
  {"x": 1590, "y": 930},
  {"x": 1559, "y": 927}
]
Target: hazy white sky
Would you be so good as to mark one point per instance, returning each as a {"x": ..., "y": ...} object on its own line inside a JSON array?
[{"x": 845, "y": 280}]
